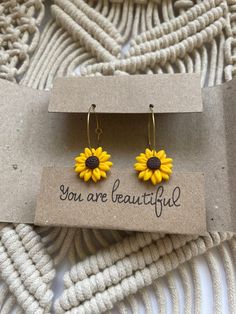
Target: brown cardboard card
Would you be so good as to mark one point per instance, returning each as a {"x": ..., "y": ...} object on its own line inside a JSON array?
[
  {"x": 128, "y": 93},
  {"x": 31, "y": 139},
  {"x": 122, "y": 202}
]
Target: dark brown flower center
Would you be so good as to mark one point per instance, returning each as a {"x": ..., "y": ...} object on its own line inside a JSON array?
[
  {"x": 92, "y": 162},
  {"x": 153, "y": 163}
]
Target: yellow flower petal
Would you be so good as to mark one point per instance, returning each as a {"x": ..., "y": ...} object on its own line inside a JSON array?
[
  {"x": 79, "y": 168},
  {"x": 87, "y": 152},
  {"x": 166, "y": 169},
  {"x": 80, "y": 159},
  {"x": 96, "y": 173},
  {"x": 147, "y": 175},
  {"x": 94, "y": 178},
  {"x": 82, "y": 173},
  {"x": 158, "y": 176},
  {"x": 168, "y": 165},
  {"x": 103, "y": 174},
  {"x": 148, "y": 153},
  {"x": 165, "y": 176},
  {"x": 143, "y": 155},
  {"x": 154, "y": 179},
  {"x": 140, "y": 167},
  {"x": 141, "y": 174},
  {"x": 104, "y": 157},
  {"x": 88, "y": 175},
  {"x": 166, "y": 161},
  {"x": 160, "y": 154},
  {"x": 108, "y": 163},
  {"x": 103, "y": 166},
  {"x": 141, "y": 159},
  {"x": 98, "y": 151}
]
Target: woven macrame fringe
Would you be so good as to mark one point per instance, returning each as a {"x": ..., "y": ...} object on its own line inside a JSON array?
[{"x": 112, "y": 269}]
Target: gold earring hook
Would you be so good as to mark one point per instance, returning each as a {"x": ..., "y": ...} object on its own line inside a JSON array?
[
  {"x": 98, "y": 129},
  {"x": 152, "y": 144}
]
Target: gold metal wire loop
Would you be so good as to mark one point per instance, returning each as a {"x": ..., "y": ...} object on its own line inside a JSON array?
[
  {"x": 98, "y": 129},
  {"x": 151, "y": 127}
]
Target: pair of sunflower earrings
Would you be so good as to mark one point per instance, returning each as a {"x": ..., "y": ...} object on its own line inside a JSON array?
[{"x": 93, "y": 164}]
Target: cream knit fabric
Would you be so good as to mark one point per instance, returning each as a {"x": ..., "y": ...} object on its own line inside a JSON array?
[{"x": 108, "y": 268}]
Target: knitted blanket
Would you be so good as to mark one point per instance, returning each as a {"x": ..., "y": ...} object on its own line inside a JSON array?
[{"x": 107, "y": 269}]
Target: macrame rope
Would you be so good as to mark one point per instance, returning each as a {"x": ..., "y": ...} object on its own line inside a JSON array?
[
  {"x": 131, "y": 283},
  {"x": 122, "y": 308},
  {"x": 230, "y": 278},
  {"x": 145, "y": 296},
  {"x": 133, "y": 304},
  {"x": 21, "y": 272},
  {"x": 174, "y": 293},
  {"x": 19, "y": 36},
  {"x": 106, "y": 258},
  {"x": 159, "y": 291},
  {"x": 211, "y": 260},
  {"x": 186, "y": 280}
]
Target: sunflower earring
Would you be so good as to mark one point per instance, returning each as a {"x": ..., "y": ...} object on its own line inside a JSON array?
[
  {"x": 153, "y": 165},
  {"x": 93, "y": 163}
]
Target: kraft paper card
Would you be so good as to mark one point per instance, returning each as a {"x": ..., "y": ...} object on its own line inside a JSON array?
[
  {"x": 31, "y": 139},
  {"x": 128, "y": 93},
  {"x": 122, "y": 202}
]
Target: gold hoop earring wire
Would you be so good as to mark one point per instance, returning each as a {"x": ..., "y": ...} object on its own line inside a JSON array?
[
  {"x": 152, "y": 127},
  {"x": 98, "y": 129}
]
